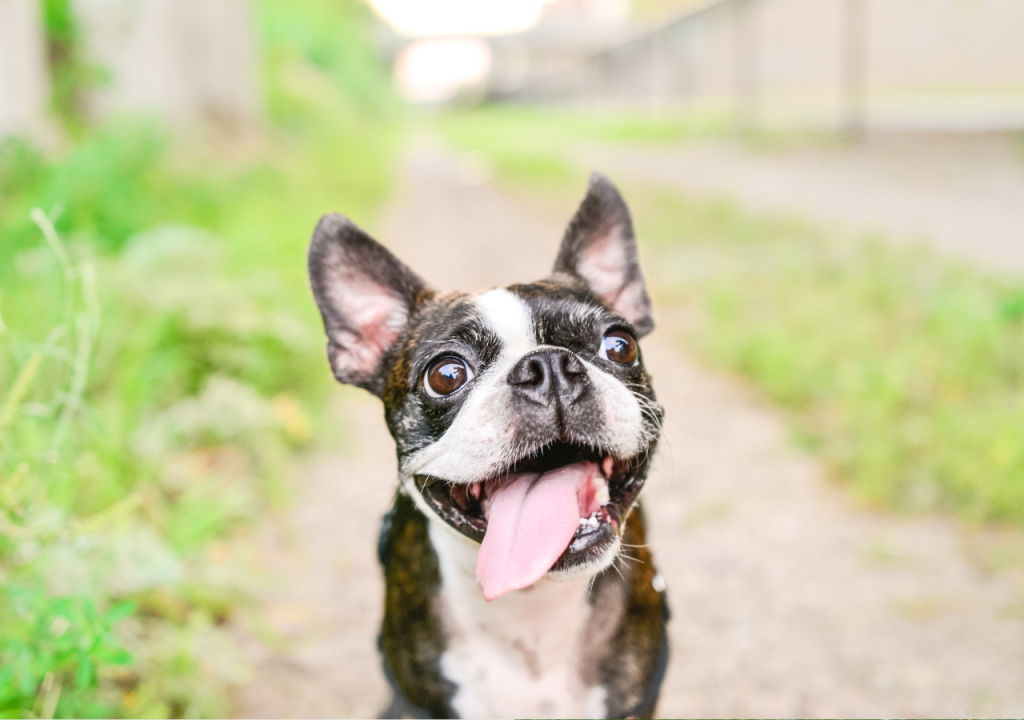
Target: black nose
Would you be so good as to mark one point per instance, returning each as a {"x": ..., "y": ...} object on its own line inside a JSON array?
[{"x": 549, "y": 376}]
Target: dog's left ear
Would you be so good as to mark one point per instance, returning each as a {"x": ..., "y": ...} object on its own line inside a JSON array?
[
  {"x": 599, "y": 247},
  {"x": 365, "y": 295}
]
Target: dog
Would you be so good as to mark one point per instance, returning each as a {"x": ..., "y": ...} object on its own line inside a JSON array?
[{"x": 518, "y": 579}]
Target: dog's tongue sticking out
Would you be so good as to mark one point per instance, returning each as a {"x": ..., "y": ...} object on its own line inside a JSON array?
[{"x": 533, "y": 517}]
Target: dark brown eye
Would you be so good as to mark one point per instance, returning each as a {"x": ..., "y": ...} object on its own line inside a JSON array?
[
  {"x": 445, "y": 376},
  {"x": 619, "y": 347}
]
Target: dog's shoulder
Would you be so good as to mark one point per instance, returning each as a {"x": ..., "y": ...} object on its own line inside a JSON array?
[
  {"x": 558, "y": 649},
  {"x": 412, "y": 639},
  {"x": 631, "y": 663}
]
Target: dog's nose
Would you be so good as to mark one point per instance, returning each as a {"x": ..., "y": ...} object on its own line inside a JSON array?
[{"x": 549, "y": 375}]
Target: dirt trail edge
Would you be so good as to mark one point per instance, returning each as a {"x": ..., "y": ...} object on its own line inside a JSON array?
[{"x": 786, "y": 600}]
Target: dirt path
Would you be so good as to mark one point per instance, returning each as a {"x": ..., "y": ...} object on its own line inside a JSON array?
[
  {"x": 786, "y": 600},
  {"x": 961, "y": 194}
]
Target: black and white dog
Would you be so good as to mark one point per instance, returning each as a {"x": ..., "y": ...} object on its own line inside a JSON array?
[{"x": 519, "y": 583}]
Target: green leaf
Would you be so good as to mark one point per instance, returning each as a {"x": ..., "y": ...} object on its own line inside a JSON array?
[
  {"x": 119, "y": 612},
  {"x": 86, "y": 675}
]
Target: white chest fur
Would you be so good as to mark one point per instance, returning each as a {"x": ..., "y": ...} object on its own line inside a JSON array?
[{"x": 519, "y": 655}]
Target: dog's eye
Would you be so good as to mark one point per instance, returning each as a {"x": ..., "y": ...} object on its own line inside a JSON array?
[
  {"x": 619, "y": 347},
  {"x": 445, "y": 376}
]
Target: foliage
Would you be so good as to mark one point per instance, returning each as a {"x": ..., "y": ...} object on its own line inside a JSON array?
[
  {"x": 70, "y": 74},
  {"x": 54, "y": 641},
  {"x": 322, "y": 54},
  {"x": 114, "y": 184},
  {"x": 125, "y": 454},
  {"x": 905, "y": 370},
  {"x": 160, "y": 363}
]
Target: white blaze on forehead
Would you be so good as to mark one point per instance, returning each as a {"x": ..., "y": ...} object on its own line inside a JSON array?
[{"x": 510, "y": 319}]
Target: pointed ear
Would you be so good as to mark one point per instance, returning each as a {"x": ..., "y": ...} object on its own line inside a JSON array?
[
  {"x": 365, "y": 295},
  {"x": 599, "y": 247}
]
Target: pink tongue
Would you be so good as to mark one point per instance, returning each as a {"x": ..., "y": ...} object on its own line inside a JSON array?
[{"x": 532, "y": 519}]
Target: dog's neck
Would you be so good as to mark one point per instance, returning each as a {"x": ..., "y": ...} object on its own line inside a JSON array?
[
  {"x": 541, "y": 605},
  {"x": 520, "y": 653}
]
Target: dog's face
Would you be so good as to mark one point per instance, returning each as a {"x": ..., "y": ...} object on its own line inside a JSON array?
[{"x": 524, "y": 418}]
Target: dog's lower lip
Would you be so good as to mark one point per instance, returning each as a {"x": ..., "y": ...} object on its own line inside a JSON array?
[{"x": 589, "y": 543}]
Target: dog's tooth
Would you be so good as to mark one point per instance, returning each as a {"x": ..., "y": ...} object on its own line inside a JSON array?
[
  {"x": 593, "y": 521},
  {"x": 475, "y": 489},
  {"x": 606, "y": 466},
  {"x": 601, "y": 496}
]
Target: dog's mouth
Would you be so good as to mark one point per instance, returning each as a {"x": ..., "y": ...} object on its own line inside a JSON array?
[{"x": 558, "y": 510}]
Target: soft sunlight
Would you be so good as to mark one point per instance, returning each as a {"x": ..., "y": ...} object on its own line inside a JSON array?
[
  {"x": 426, "y": 18},
  {"x": 434, "y": 70}
]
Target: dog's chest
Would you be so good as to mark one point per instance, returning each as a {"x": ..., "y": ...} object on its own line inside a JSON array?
[{"x": 519, "y": 655}]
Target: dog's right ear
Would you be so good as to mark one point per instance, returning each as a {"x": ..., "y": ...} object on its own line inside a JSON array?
[
  {"x": 599, "y": 248},
  {"x": 365, "y": 295}
]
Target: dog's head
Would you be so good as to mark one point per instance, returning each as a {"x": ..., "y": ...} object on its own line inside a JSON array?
[{"x": 523, "y": 416}]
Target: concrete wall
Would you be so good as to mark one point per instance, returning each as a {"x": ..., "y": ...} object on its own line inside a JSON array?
[
  {"x": 24, "y": 80},
  {"x": 187, "y": 61},
  {"x": 893, "y": 63}
]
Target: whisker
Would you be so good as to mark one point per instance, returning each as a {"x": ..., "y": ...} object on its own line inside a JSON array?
[{"x": 629, "y": 558}]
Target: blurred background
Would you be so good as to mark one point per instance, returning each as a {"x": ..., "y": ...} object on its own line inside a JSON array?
[{"x": 829, "y": 197}]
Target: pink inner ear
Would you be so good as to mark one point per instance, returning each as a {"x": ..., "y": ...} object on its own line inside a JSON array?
[
  {"x": 605, "y": 265},
  {"x": 630, "y": 302},
  {"x": 375, "y": 315}
]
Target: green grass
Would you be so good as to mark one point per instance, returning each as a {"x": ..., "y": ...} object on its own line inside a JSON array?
[
  {"x": 527, "y": 145},
  {"x": 160, "y": 363},
  {"x": 902, "y": 369}
]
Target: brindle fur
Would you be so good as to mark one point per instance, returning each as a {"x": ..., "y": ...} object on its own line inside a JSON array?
[
  {"x": 626, "y": 649},
  {"x": 411, "y": 639}
]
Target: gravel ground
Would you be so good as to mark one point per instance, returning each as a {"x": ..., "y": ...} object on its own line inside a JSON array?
[{"x": 787, "y": 600}]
